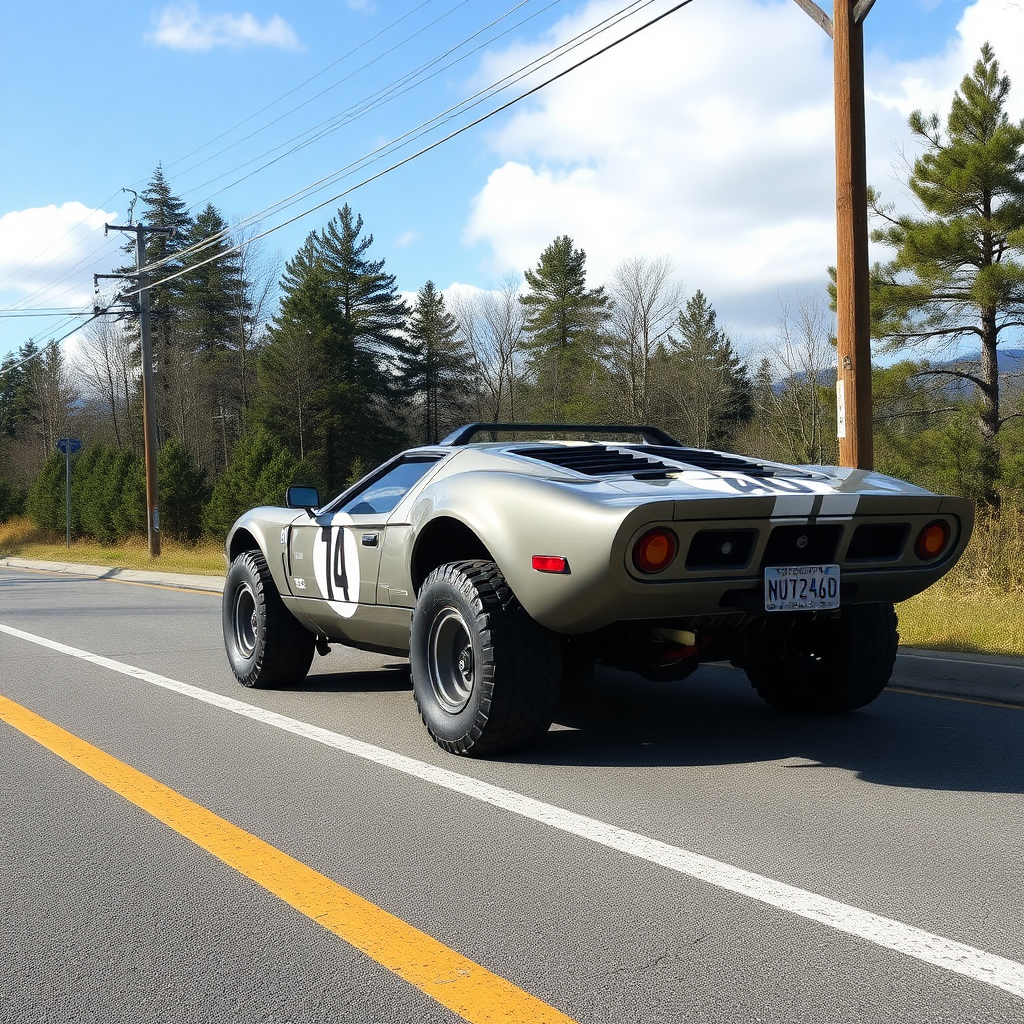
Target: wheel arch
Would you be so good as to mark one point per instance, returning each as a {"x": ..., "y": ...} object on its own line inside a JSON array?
[
  {"x": 442, "y": 540},
  {"x": 243, "y": 540}
]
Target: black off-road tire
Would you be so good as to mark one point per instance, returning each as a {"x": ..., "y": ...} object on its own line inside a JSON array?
[
  {"x": 826, "y": 666},
  {"x": 266, "y": 645},
  {"x": 485, "y": 676}
]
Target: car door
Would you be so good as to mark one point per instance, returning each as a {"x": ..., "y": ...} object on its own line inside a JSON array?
[{"x": 334, "y": 556}]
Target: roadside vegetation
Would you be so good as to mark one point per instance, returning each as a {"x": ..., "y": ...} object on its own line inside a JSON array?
[
  {"x": 315, "y": 370},
  {"x": 979, "y": 606},
  {"x": 21, "y": 538}
]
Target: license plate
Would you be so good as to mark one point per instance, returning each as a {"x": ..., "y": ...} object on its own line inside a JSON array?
[{"x": 800, "y": 588}]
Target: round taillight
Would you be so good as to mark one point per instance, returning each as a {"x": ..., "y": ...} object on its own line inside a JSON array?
[
  {"x": 932, "y": 541},
  {"x": 655, "y": 550}
]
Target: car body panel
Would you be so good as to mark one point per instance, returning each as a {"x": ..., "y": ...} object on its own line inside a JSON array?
[{"x": 354, "y": 577}]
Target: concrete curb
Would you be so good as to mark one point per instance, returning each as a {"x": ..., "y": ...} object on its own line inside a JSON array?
[
  {"x": 992, "y": 677},
  {"x": 211, "y": 584}
]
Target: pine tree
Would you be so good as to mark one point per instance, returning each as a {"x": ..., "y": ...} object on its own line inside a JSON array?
[
  {"x": 16, "y": 395},
  {"x": 373, "y": 313},
  {"x": 212, "y": 292},
  {"x": 329, "y": 375},
  {"x": 564, "y": 324},
  {"x": 958, "y": 273},
  {"x": 709, "y": 383},
  {"x": 436, "y": 370}
]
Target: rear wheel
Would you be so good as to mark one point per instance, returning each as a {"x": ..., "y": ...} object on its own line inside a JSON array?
[
  {"x": 265, "y": 643},
  {"x": 826, "y": 666},
  {"x": 485, "y": 675}
]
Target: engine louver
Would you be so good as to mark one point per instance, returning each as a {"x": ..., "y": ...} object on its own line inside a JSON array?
[{"x": 596, "y": 460}]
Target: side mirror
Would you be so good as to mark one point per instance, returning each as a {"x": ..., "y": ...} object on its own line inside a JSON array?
[{"x": 302, "y": 497}]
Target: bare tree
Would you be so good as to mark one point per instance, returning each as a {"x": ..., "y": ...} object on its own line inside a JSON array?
[
  {"x": 109, "y": 377},
  {"x": 260, "y": 272},
  {"x": 798, "y": 413},
  {"x": 647, "y": 301},
  {"x": 491, "y": 324}
]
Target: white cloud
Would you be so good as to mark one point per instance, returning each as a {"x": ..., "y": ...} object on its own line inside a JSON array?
[
  {"x": 361, "y": 6},
  {"x": 407, "y": 238},
  {"x": 187, "y": 28},
  {"x": 708, "y": 138},
  {"x": 48, "y": 254}
]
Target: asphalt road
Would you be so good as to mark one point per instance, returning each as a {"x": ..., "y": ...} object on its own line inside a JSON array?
[{"x": 669, "y": 853}]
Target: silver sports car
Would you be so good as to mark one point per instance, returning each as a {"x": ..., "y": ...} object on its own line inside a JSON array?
[{"x": 506, "y": 568}]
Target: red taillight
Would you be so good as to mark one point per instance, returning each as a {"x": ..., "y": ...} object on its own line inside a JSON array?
[
  {"x": 932, "y": 541},
  {"x": 551, "y": 563},
  {"x": 655, "y": 550}
]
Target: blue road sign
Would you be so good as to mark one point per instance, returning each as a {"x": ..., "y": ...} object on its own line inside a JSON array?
[{"x": 69, "y": 445}]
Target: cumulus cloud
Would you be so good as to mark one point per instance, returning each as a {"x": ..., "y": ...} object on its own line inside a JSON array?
[
  {"x": 186, "y": 27},
  {"x": 709, "y": 138},
  {"x": 49, "y": 253}
]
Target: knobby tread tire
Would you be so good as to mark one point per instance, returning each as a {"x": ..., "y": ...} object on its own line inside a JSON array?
[
  {"x": 284, "y": 647},
  {"x": 828, "y": 666},
  {"x": 517, "y": 683}
]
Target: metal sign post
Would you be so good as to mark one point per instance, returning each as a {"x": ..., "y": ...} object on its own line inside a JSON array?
[{"x": 68, "y": 445}]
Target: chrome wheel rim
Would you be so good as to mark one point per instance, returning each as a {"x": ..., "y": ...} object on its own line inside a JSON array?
[
  {"x": 450, "y": 660},
  {"x": 246, "y": 622}
]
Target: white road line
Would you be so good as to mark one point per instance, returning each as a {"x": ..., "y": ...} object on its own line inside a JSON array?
[
  {"x": 882, "y": 931},
  {"x": 960, "y": 661}
]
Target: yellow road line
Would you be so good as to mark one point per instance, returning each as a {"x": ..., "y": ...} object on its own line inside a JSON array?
[
  {"x": 466, "y": 988},
  {"x": 952, "y": 696}
]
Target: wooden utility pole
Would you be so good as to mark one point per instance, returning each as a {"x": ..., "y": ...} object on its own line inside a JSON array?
[
  {"x": 148, "y": 400},
  {"x": 853, "y": 301}
]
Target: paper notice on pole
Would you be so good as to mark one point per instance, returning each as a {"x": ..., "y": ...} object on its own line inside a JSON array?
[{"x": 840, "y": 408}]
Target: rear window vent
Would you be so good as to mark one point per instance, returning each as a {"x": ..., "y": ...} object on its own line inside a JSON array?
[{"x": 596, "y": 460}]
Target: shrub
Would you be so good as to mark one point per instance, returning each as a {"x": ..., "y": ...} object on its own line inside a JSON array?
[
  {"x": 183, "y": 492},
  {"x": 12, "y": 500},
  {"x": 46, "y": 501},
  {"x": 259, "y": 474}
]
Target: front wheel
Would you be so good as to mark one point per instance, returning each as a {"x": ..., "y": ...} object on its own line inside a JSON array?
[
  {"x": 485, "y": 675},
  {"x": 265, "y": 643},
  {"x": 826, "y": 666}
]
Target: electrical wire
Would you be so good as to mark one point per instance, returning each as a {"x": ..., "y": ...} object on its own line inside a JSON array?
[
  {"x": 420, "y": 152},
  {"x": 420, "y": 130},
  {"x": 376, "y": 100},
  {"x": 389, "y": 147}
]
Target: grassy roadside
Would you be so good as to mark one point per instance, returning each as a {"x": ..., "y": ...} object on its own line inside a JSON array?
[
  {"x": 978, "y": 608},
  {"x": 19, "y": 538}
]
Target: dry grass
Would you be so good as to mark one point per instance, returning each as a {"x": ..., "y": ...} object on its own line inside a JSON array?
[
  {"x": 20, "y": 538},
  {"x": 979, "y": 606}
]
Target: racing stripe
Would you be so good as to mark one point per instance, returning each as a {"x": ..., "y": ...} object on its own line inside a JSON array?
[
  {"x": 790, "y": 505},
  {"x": 839, "y": 504}
]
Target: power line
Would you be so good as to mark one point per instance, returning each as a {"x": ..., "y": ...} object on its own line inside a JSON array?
[
  {"x": 420, "y": 152},
  {"x": 423, "y": 128}
]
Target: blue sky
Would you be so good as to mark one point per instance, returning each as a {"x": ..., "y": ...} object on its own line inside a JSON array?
[{"x": 707, "y": 138}]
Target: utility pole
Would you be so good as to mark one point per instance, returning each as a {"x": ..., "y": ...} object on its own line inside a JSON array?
[
  {"x": 853, "y": 299},
  {"x": 148, "y": 399}
]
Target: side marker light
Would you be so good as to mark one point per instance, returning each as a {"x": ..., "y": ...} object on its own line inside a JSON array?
[{"x": 551, "y": 563}]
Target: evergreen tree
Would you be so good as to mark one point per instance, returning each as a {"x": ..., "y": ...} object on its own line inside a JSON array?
[
  {"x": 260, "y": 473},
  {"x": 213, "y": 293},
  {"x": 17, "y": 399},
  {"x": 183, "y": 492},
  {"x": 436, "y": 369},
  {"x": 564, "y": 326},
  {"x": 373, "y": 313},
  {"x": 710, "y": 390},
  {"x": 329, "y": 374},
  {"x": 958, "y": 273}
]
